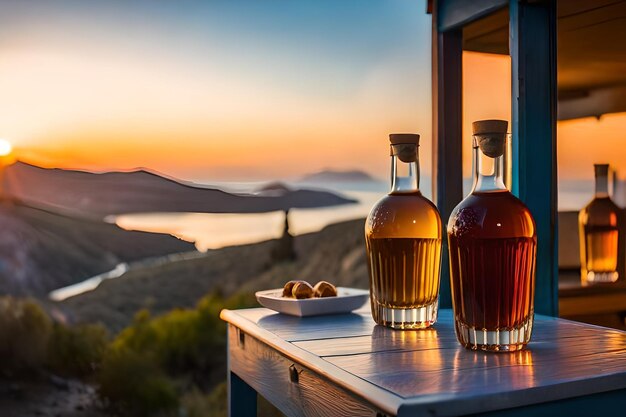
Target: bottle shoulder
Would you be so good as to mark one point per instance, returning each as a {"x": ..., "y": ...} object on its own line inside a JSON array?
[
  {"x": 600, "y": 211},
  {"x": 409, "y": 215},
  {"x": 492, "y": 215},
  {"x": 399, "y": 201}
]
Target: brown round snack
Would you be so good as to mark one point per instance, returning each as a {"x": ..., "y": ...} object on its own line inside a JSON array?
[
  {"x": 325, "y": 289},
  {"x": 288, "y": 287},
  {"x": 302, "y": 289}
]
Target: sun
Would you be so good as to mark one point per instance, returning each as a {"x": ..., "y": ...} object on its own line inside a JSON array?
[{"x": 5, "y": 147}]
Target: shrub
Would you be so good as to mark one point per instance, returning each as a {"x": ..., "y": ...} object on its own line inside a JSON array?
[
  {"x": 181, "y": 340},
  {"x": 24, "y": 333},
  {"x": 77, "y": 351},
  {"x": 135, "y": 366},
  {"x": 135, "y": 384},
  {"x": 181, "y": 343},
  {"x": 198, "y": 404},
  {"x": 241, "y": 300}
]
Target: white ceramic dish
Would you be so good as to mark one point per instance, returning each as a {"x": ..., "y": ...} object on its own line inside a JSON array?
[{"x": 347, "y": 300}]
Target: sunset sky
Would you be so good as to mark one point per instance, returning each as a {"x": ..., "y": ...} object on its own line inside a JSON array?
[
  {"x": 213, "y": 89},
  {"x": 239, "y": 89}
]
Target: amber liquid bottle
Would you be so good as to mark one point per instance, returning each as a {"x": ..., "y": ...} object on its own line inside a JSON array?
[
  {"x": 492, "y": 242},
  {"x": 403, "y": 237},
  {"x": 599, "y": 234}
]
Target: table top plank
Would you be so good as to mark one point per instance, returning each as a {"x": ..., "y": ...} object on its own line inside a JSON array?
[
  {"x": 291, "y": 328},
  {"x": 460, "y": 371},
  {"x": 429, "y": 369},
  {"x": 381, "y": 339}
]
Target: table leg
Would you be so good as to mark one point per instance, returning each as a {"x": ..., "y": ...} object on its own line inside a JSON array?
[{"x": 241, "y": 397}]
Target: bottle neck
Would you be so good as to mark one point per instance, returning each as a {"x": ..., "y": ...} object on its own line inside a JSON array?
[
  {"x": 405, "y": 172},
  {"x": 488, "y": 172},
  {"x": 602, "y": 186}
]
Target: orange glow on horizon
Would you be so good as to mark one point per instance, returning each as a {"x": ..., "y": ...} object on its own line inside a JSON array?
[
  {"x": 580, "y": 142},
  {"x": 239, "y": 130},
  {"x": 241, "y": 137},
  {"x": 486, "y": 95},
  {"x": 5, "y": 147},
  {"x": 249, "y": 151},
  {"x": 588, "y": 141}
]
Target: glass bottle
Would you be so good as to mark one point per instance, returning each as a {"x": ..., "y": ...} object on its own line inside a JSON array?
[
  {"x": 492, "y": 241},
  {"x": 599, "y": 233},
  {"x": 403, "y": 238}
]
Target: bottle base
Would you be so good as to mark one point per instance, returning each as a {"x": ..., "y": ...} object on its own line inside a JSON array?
[
  {"x": 406, "y": 318},
  {"x": 496, "y": 340},
  {"x": 601, "y": 276}
]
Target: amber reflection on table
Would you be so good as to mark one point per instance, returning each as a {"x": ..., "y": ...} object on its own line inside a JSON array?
[
  {"x": 514, "y": 369},
  {"x": 417, "y": 346}
]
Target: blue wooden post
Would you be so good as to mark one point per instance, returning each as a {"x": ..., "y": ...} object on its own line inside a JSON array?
[
  {"x": 454, "y": 14},
  {"x": 532, "y": 43},
  {"x": 447, "y": 118},
  {"x": 241, "y": 397}
]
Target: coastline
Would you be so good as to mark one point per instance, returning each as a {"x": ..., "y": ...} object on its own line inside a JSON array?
[{"x": 336, "y": 254}]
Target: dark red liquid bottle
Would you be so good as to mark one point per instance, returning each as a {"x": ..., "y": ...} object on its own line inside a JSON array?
[{"x": 492, "y": 244}]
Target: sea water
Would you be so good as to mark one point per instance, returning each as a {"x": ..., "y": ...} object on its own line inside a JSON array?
[
  {"x": 216, "y": 230},
  {"x": 213, "y": 231}
]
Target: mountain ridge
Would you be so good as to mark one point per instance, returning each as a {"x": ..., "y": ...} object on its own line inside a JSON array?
[{"x": 119, "y": 192}]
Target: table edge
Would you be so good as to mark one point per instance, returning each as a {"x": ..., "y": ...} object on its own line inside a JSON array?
[
  {"x": 454, "y": 405},
  {"x": 379, "y": 397},
  {"x": 418, "y": 405}
]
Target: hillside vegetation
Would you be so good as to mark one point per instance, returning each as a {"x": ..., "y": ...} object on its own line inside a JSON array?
[
  {"x": 166, "y": 353},
  {"x": 336, "y": 254},
  {"x": 41, "y": 250}
]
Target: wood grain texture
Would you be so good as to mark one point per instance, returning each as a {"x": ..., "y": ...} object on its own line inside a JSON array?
[
  {"x": 291, "y": 328},
  {"x": 248, "y": 321},
  {"x": 434, "y": 375},
  {"x": 292, "y": 388},
  {"x": 580, "y": 338}
]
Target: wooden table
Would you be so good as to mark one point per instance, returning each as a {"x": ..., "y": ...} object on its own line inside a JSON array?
[{"x": 345, "y": 365}]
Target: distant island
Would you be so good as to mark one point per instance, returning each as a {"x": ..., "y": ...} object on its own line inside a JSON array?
[
  {"x": 97, "y": 195},
  {"x": 329, "y": 175}
]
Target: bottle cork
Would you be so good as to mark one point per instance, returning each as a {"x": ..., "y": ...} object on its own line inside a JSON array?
[
  {"x": 402, "y": 138},
  {"x": 404, "y": 146},
  {"x": 491, "y": 136}
]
